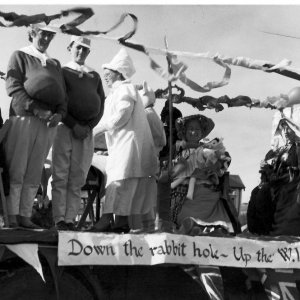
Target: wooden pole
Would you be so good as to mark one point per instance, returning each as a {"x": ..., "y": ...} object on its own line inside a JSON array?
[
  {"x": 3, "y": 133},
  {"x": 170, "y": 71},
  {"x": 3, "y": 201}
]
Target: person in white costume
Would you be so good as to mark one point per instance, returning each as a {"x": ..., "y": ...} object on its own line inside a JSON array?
[{"x": 132, "y": 162}]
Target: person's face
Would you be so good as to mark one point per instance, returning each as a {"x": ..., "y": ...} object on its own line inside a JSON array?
[
  {"x": 41, "y": 39},
  {"x": 110, "y": 77},
  {"x": 193, "y": 131},
  {"x": 289, "y": 133},
  {"x": 79, "y": 53}
]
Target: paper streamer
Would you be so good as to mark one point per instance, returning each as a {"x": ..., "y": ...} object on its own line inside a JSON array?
[
  {"x": 209, "y": 102},
  {"x": 282, "y": 68}
]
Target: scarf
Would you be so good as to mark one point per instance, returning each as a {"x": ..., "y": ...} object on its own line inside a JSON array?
[
  {"x": 31, "y": 50},
  {"x": 82, "y": 69}
]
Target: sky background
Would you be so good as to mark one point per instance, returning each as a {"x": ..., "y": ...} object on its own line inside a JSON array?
[{"x": 232, "y": 30}]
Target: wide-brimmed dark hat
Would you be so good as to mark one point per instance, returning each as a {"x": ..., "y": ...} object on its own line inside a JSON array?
[{"x": 206, "y": 124}]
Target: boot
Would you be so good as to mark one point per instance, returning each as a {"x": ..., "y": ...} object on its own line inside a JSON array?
[
  {"x": 26, "y": 223},
  {"x": 13, "y": 222},
  {"x": 104, "y": 224}
]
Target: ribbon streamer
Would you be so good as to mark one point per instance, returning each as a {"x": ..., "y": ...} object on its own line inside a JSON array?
[
  {"x": 209, "y": 102},
  {"x": 245, "y": 62},
  {"x": 210, "y": 85},
  {"x": 13, "y": 19},
  {"x": 179, "y": 69},
  {"x": 282, "y": 68}
]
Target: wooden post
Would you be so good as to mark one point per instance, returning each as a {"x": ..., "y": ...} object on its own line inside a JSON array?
[
  {"x": 170, "y": 71},
  {"x": 3, "y": 133},
  {"x": 3, "y": 201}
]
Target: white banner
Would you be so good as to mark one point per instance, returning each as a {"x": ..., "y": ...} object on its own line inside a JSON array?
[{"x": 86, "y": 248}]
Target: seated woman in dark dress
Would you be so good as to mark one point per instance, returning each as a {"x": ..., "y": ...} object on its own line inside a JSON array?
[{"x": 196, "y": 174}]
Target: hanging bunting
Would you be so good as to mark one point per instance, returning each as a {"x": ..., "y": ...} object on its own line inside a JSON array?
[
  {"x": 209, "y": 102},
  {"x": 13, "y": 19},
  {"x": 179, "y": 69},
  {"x": 71, "y": 27},
  {"x": 210, "y": 85},
  {"x": 283, "y": 68}
]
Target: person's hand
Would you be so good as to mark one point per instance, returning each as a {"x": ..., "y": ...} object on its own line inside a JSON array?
[
  {"x": 180, "y": 145},
  {"x": 54, "y": 120},
  {"x": 178, "y": 168},
  {"x": 81, "y": 132},
  {"x": 42, "y": 114}
]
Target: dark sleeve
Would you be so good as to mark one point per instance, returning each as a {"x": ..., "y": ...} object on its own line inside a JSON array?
[
  {"x": 15, "y": 78},
  {"x": 265, "y": 209},
  {"x": 92, "y": 123},
  {"x": 62, "y": 107},
  {"x": 70, "y": 121}
]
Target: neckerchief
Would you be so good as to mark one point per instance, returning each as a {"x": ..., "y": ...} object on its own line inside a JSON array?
[
  {"x": 82, "y": 69},
  {"x": 31, "y": 50}
]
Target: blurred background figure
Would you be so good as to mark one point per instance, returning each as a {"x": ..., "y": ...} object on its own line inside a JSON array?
[{"x": 260, "y": 210}]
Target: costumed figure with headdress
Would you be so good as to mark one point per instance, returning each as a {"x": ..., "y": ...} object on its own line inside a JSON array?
[
  {"x": 285, "y": 178},
  {"x": 198, "y": 167},
  {"x": 159, "y": 139},
  {"x": 132, "y": 161}
]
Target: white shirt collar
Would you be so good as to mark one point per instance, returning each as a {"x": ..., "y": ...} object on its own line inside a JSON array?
[
  {"x": 31, "y": 50},
  {"x": 80, "y": 68}
]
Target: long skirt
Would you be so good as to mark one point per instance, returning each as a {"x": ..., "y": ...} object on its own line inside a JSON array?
[
  {"x": 287, "y": 208},
  {"x": 206, "y": 206}
]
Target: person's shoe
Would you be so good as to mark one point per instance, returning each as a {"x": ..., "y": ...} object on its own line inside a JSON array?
[
  {"x": 166, "y": 226},
  {"x": 25, "y": 222},
  {"x": 107, "y": 228},
  {"x": 136, "y": 231},
  {"x": 13, "y": 225},
  {"x": 71, "y": 226},
  {"x": 13, "y": 221},
  {"x": 186, "y": 226},
  {"x": 121, "y": 229},
  {"x": 143, "y": 230},
  {"x": 104, "y": 224},
  {"x": 196, "y": 230},
  {"x": 61, "y": 225}
]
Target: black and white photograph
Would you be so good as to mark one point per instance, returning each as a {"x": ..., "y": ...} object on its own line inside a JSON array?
[{"x": 150, "y": 150}]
